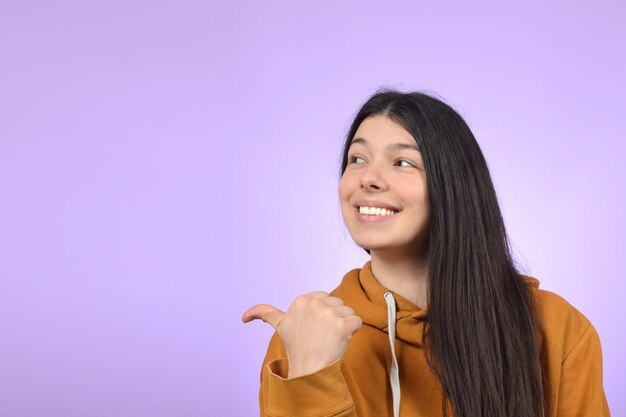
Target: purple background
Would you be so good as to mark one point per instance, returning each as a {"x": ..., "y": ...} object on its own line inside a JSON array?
[{"x": 166, "y": 165}]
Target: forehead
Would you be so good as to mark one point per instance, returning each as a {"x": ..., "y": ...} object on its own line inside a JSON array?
[{"x": 381, "y": 130}]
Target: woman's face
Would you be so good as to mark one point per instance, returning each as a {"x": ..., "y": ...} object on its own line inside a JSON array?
[{"x": 384, "y": 169}]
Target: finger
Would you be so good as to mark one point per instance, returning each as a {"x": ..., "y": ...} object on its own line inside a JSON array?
[
  {"x": 332, "y": 301},
  {"x": 353, "y": 323},
  {"x": 265, "y": 312},
  {"x": 343, "y": 311},
  {"x": 317, "y": 294}
]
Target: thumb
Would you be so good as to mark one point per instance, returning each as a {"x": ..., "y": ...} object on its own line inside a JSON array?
[{"x": 265, "y": 312}]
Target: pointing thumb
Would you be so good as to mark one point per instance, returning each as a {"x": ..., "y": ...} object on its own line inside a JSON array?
[{"x": 265, "y": 312}]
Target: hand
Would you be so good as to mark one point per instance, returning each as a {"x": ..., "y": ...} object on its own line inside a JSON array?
[{"x": 315, "y": 330}]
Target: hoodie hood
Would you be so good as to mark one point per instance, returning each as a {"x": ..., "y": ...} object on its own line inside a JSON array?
[
  {"x": 390, "y": 312},
  {"x": 361, "y": 290}
]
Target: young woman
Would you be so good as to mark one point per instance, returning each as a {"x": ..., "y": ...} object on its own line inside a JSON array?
[{"x": 438, "y": 322}]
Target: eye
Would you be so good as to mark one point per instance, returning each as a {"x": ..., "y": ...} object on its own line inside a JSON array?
[
  {"x": 352, "y": 158},
  {"x": 404, "y": 160}
]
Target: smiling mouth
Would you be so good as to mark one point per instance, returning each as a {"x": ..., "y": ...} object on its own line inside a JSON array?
[{"x": 376, "y": 212}]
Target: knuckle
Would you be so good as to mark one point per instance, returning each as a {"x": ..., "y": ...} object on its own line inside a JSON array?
[
  {"x": 337, "y": 300},
  {"x": 341, "y": 326},
  {"x": 326, "y": 313},
  {"x": 300, "y": 300},
  {"x": 316, "y": 304}
]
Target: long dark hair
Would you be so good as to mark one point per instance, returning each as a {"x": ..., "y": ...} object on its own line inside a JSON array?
[{"x": 482, "y": 342}]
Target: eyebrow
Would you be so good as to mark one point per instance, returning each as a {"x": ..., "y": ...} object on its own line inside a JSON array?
[{"x": 393, "y": 146}]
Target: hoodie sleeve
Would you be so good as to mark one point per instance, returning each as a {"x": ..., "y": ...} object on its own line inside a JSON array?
[
  {"x": 581, "y": 393},
  {"x": 319, "y": 394}
]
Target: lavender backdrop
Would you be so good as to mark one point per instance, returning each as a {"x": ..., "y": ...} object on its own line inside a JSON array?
[{"x": 166, "y": 165}]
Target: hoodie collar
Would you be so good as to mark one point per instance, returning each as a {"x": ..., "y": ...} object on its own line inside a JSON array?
[{"x": 361, "y": 290}]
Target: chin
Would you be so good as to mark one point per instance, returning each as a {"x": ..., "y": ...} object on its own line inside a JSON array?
[{"x": 375, "y": 245}]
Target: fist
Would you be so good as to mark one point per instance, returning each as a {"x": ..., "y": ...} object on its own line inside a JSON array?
[{"x": 315, "y": 330}]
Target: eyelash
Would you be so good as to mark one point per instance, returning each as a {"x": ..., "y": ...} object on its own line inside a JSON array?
[{"x": 351, "y": 160}]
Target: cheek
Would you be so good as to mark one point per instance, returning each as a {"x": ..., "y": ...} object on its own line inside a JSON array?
[
  {"x": 344, "y": 187},
  {"x": 423, "y": 198},
  {"x": 419, "y": 199}
]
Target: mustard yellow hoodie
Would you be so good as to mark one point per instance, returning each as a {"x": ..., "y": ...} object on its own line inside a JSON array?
[{"x": 362, "y": 384}]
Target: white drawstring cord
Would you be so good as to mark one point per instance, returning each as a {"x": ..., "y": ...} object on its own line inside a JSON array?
[{"x": 394, "y": 374}]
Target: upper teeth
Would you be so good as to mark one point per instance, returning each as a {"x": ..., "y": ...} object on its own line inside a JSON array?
[{"x": 376, "y": 211}]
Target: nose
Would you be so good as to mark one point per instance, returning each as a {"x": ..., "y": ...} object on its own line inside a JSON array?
[{"x": 372, "y": 179}]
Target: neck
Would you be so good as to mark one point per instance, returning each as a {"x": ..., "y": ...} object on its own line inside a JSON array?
[{"x": 402, "y": 273}]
